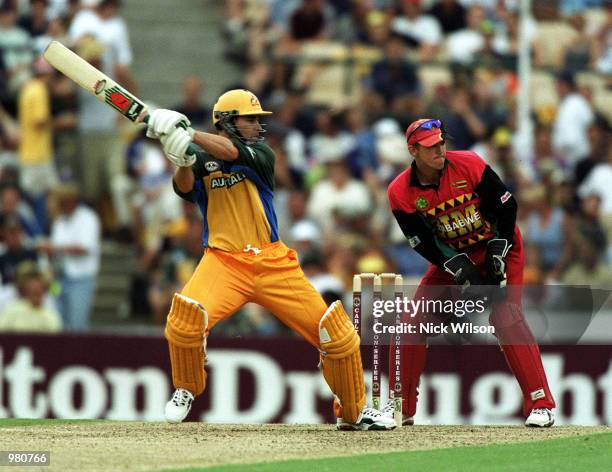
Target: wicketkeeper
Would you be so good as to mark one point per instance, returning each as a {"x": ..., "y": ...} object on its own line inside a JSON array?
[
  {"x": 457, "y": 213},
  {"x": 231, "y": 179}
]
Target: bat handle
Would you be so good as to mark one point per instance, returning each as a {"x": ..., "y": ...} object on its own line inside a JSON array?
[{"x": 191, "y": 149}]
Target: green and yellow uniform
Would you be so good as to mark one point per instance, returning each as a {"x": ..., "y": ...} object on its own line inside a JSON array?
[{"x": 244, "y": 259}]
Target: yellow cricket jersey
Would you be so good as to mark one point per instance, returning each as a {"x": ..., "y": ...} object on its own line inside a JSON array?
[
  {"x": 236, "y": 198},
  {"x": 36, "y": 145}
]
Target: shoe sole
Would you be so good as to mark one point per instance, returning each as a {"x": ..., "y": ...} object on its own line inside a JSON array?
[
  {"x": 175, "y": 419},
  {"x": 535, "y": 425},
  {"x": 365, "y": 427},
  {"x": 546, "y": 425}
]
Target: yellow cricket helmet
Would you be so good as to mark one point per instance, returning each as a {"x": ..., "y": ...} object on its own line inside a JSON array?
[{"x": 238, "y": 102}]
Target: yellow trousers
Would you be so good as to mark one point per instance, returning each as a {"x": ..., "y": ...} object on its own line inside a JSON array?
[{"x": 269, "y": 276}]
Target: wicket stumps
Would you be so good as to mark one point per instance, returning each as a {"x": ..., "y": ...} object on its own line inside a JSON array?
[{"x": 395, "y": 384}]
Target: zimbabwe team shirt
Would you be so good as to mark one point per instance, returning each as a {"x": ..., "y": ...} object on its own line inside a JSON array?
[
  {"x": 469, "y": 206},
  {"x": 236, "y": 198}
]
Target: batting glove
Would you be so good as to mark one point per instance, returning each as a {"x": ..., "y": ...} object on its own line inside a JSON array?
[
  {"x": 161, "y": 122},
  {"x": 497, "y": 250},
  {"x": 175, "y": 147},
  {"x": 463, "y": 271}
]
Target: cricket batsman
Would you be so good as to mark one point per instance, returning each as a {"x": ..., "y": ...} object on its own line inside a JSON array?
[
  {"x": 231, "y": 179},
  {"x": 457, "y": 213}
]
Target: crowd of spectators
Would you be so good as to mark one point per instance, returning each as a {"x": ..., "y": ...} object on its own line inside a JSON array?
[{"x": 344, "y": 78}]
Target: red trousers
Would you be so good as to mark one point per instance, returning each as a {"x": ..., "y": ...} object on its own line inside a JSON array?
[{"x": 518, "y": 345}]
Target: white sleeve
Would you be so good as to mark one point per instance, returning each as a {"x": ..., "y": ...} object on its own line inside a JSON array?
[
  {"x": 319, "y": 203},
  {"x": 587, "y": 113},
  {"x": 591, "y": 183},
  {"x": 360, "y": 199},
  {"x": 124, "y": 51},
  {"x": 432, "y": 32},
  {"x": 90, "y": 233},
  {"x": 55, "y": 233},
  {"x": 295, "y": 146},
  {"x": 84, "y": 23},
  {"x": 568, "y": 133}
]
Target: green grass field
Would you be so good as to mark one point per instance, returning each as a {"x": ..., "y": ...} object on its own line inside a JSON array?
[
  {"x": 108, "y": 446},
  {"x": 583, "y": 453}
]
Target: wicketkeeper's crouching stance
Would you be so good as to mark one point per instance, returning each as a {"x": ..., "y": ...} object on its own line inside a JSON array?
[
  {"x": 232, "y": 180},
  {"x": 458, "y": 214}
]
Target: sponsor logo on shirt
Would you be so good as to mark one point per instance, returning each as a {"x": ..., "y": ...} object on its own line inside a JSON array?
[
  {"x": 414, "y": 241},
  {"x": 460, "y": 184},
  {"x": 212, "y": 166},
  {"x": 505, "y": 197},
  {"x": 458, "y": 221},
  {"x": 227, "y": 181},
  {"x": 421, "y": 203}
]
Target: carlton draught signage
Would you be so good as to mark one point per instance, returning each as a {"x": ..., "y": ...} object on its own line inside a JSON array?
[{"x": 256, "y": 381}]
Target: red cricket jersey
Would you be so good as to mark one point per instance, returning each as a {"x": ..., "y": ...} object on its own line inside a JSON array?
[{"x": 461, "y": 212}]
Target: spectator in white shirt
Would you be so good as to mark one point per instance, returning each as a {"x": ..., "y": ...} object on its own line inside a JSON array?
[
  {"x": 338, "y": 192},
  {"x": 419, "y": 30},
  {"x": 602, "y": 43},
  {"x": 491, "y": 5},
  {"x": 330, "y": 142},
  {"x": 574, "y": 117},
  {"x": 75, "y": 250},
  {"x": 101, "y": 37},
  {"x": 463, "y": 45},
  {"x": 598, "y": 183},
  {"x": 15, "y": 54},
  {"x": 104, "y": 24}
]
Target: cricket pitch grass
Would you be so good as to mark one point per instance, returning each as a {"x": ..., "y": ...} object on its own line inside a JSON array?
[{"x": 135, "y": 446}]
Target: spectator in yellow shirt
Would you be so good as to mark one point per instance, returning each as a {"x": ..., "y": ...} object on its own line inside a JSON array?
[{"x": 37, "y": 169}]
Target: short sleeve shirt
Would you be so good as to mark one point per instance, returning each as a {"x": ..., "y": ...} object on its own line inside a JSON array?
[{"x": 236, "y": 198}]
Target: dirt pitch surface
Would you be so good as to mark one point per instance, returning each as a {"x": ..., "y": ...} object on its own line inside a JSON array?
[{"x": 131, "y": 446}]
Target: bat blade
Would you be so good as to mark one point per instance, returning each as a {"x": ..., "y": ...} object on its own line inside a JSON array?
[{"x": 105, "y": 89}]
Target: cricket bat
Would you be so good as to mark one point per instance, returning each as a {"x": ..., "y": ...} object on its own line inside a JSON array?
[{"x": 97, "y": 83}]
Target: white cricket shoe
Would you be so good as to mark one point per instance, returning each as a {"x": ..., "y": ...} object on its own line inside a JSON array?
[
  {"x": 369, "y": 419},
  {"x": 389, "y": 411},
  {"x": 540, "y": 418},
  {"x": 179, "y": 405}
]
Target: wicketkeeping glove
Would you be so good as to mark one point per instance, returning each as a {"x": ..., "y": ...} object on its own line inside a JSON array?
[
  {"x": 464, "y": 271},
  {"x": 497, "y": 250}
]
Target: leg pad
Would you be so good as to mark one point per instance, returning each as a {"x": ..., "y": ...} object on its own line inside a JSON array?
[
  {"x": 341, "y": 361},
  {"x": 523, "y": 355},
  {"x": 185, "y": 331}
]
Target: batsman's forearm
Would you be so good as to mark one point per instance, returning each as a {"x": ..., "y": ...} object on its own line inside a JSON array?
[
  {"x": 215, "y": 145},
  {"x": 184, "y": 179}
]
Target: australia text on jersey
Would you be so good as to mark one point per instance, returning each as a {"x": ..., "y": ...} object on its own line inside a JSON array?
[{"x": 227, "y": 181}]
